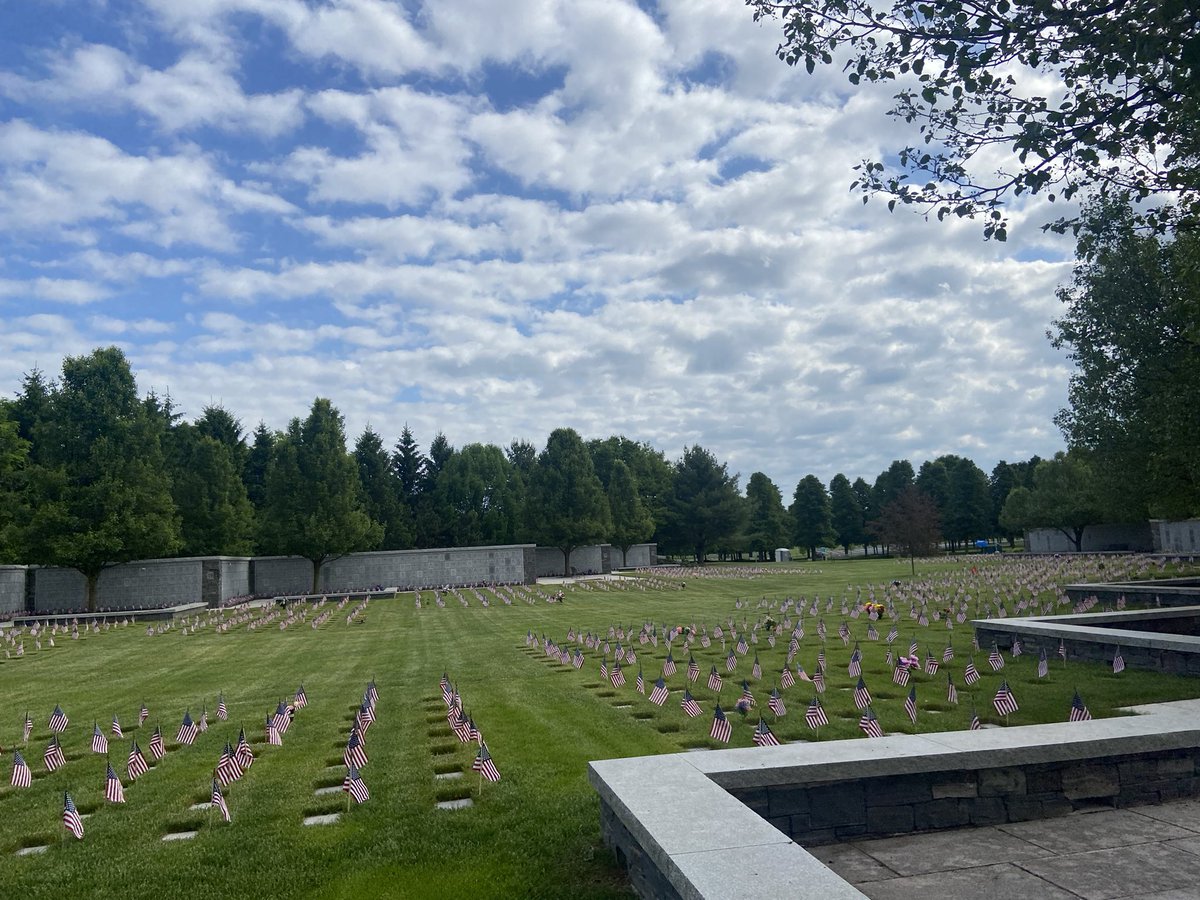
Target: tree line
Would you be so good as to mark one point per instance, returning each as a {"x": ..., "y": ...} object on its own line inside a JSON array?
[{"x": 93, "y": 474}]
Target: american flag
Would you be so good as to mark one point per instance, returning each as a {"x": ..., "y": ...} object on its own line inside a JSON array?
[
  {"x": 775, "y": 703},
  {"x": 372, "y": 695},
  {"x": 99, "y": 741},
  {"x": 893, "y": 634},
  {"x": 366, "y": 716},
  {"x": 689, "y": 704},
  {"x": 53, "y": 757},
  {"x": 1079, "y": 712},
  {"x": 948, "y": 653},
  {"x": 658, "y": 696},
  {"x": 113, "y": 792},
  {"x": 143, "y": 714},
  {"x": 1043, "y": 665},
  {"x": 137, "y": 763},
  {"x": 821, "y": 658},
  {"x": 245, "y": 756},
  {"x": 116, "y": 727},
  {"x": 228, "y": 769},
  {"x": 900, "y": 675},
  {"x": 912, "y": 648},
  {"x": 219, "y": 801},
  {"x": 814, "y": 716},
  {"x": 283, "y": 718},
  {"x": 484, "y": 764},
  {"x": 951, "y": 690},
  {"x": 742, "y": 647},
  {"x": 21, "y": 776},
  {"x": 975, "y": 723},
  {"x": 818, "y": 680},
  {"x": 1004, "y": 701},
  {"x": 222, "y": 709},
  {"x": 730, "y": 662},
  {"x": 273, "y": 737},
  {"x": 870, "y": 725},
  {"x": 756, "y": 669},
  {"x": 931, "y": 664},
  {"x": 995, "y": 660},
  {"x": 971, "y": 674},
  {"x": 714, "y": 680},
  {"x": 855, "y": 667},
  {"x": 640, "y": 684},
  {"x": 616, "y": 676},
  {"x": 669, "y": 665},
  {"x": 890, "y": 658},
  {"x": 1016, "y": 647},
  {"x": 604, "y": 670},
  {"x": 747, "y": 697},
  {"x": 157, "y": 749},
  {"x": 1062, "y": 649},
  {"x": 763, "y": 735},
  {"x": 693, "y": 669},
  {"x": 862, "y": 696},
  {"x": 202, "y": 725},
  {"x": 910, "y": 704},
  {"x": 28, "y": 729},
  {"x": 301, "y": 698},
  {"x": 872, "y": 632},
  {"x": 58, "y": 720},
  {"x": 721, "y": 729},
  {"x": 785, "y": 677},
  {"x": 71, "y": 820},
  {"x": 577, "y": 659},
  {"x": 1118, "y": 662},
  {"x": 187, "y": 730},
  {"x": 354, "y": 786}
]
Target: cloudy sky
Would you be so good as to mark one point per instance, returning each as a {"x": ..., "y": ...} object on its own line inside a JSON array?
[{"x": 495, "y": 219}]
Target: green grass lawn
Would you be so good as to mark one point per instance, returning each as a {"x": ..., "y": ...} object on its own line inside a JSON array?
[{"x": 533, "y": 834}]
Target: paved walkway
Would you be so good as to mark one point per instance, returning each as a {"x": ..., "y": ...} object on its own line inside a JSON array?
[{"x": 1145, "y": 852}]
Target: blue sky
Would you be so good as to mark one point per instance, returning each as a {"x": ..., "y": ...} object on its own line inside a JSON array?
[{"x": 493, "y": 220}]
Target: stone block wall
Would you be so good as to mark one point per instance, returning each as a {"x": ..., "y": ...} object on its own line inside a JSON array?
[
  {"x": 639, "y": 556},
  {"x": 1134, "y": 537},
  {"x": 12, "y": 590},
  {"x": 280, "y": 575},
  {"x": 1176, "y": 537},
  {"x": 813, "y": 815},
  {"x": 594, "y": 560}
]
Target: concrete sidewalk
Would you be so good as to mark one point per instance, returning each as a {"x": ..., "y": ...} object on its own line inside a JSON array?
[{"x": 1145, "y": 852}]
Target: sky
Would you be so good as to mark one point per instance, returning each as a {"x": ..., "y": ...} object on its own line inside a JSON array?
[{"x": 497, "y": 219}]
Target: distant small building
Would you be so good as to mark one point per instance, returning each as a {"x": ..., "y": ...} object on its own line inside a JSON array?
[{"x": 783, "y": 554}]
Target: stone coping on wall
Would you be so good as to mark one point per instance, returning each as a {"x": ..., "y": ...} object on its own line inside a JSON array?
[
  {"x": 705, "y": 843},
  {"x": 1074, "y": 627},
  {"x": 161, "y": 612}
]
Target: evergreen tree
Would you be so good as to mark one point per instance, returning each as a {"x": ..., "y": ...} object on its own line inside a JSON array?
[
  {"x": 216, "y": 518},
  {"x": 97, "y": 489},
  {"x": 258, "y": 459},
  {"x": 767, "y": 523},
  {"x": 811, "y": 519},
  {"x": 408, "y": 464},
  {"x": 381, "y": 491},
  {"x": 846, "y": 513},
  {"x": 480, "y": 495},
  {"x": 705, "y": 508},
  {"x": 865, "y": 497},
  {"x": 221, "y": 425},
  {"x": 567, "y": 505},
  {"x": 314, "y": 502}
]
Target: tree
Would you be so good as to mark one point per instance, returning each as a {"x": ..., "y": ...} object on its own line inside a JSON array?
[
  {"x": 1118, "y": 121},
  {"x": 889, "y": 485},
  {"x": 766, "y": 520},
  {"x": 258, "y": 458},
  {"x": 223, "y": 426},
  {"x": 705, "y": 507},
  {"x": 408, "y": 463},
  {"x": 97, "y": 492},
  {"x": 812, "y": 525},
  {"x": 481, "y": 496},
  {"x": 381, "y": 491},
  {"x": 314, "y": 503},
  {"x": 215, "y": 515},
  {"x": 567, "y": 506},
  {"x": 865, "y": 497},
  {"x": 14, "y": 452},
  {"x": 1065, "y": 497},
  {"x": 959, "y": 489},
  {"x": 846, "y": 513},
  {"x": 631, "y": 521},
  {"x": 909, "y": 522},
  {"x": 1132, "y": 327},
  {"x": 650, "y": 469}
]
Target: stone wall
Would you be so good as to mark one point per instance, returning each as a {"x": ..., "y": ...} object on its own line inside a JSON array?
[
  {"x": 1135, "y": 537},
  {"x": 12, "y": 590},
  {"x": 1176, "y": 537},
  {"x": 509, "y": 564},
  {"x": 594, "y": 560},
  {"x": 640, "y": 556},
  {"x": 929, "y": 801}
]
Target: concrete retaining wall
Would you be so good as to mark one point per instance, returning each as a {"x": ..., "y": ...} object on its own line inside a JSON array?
[
  {"x": 594, "y": 560},
  {"x": 1176, "y": 537},
  {"x": 1135, "y": 537},
  {"x": 12, "y": 590}
]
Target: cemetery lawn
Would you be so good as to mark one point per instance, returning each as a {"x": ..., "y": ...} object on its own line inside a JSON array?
[{"x": 536, "y": 832}]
